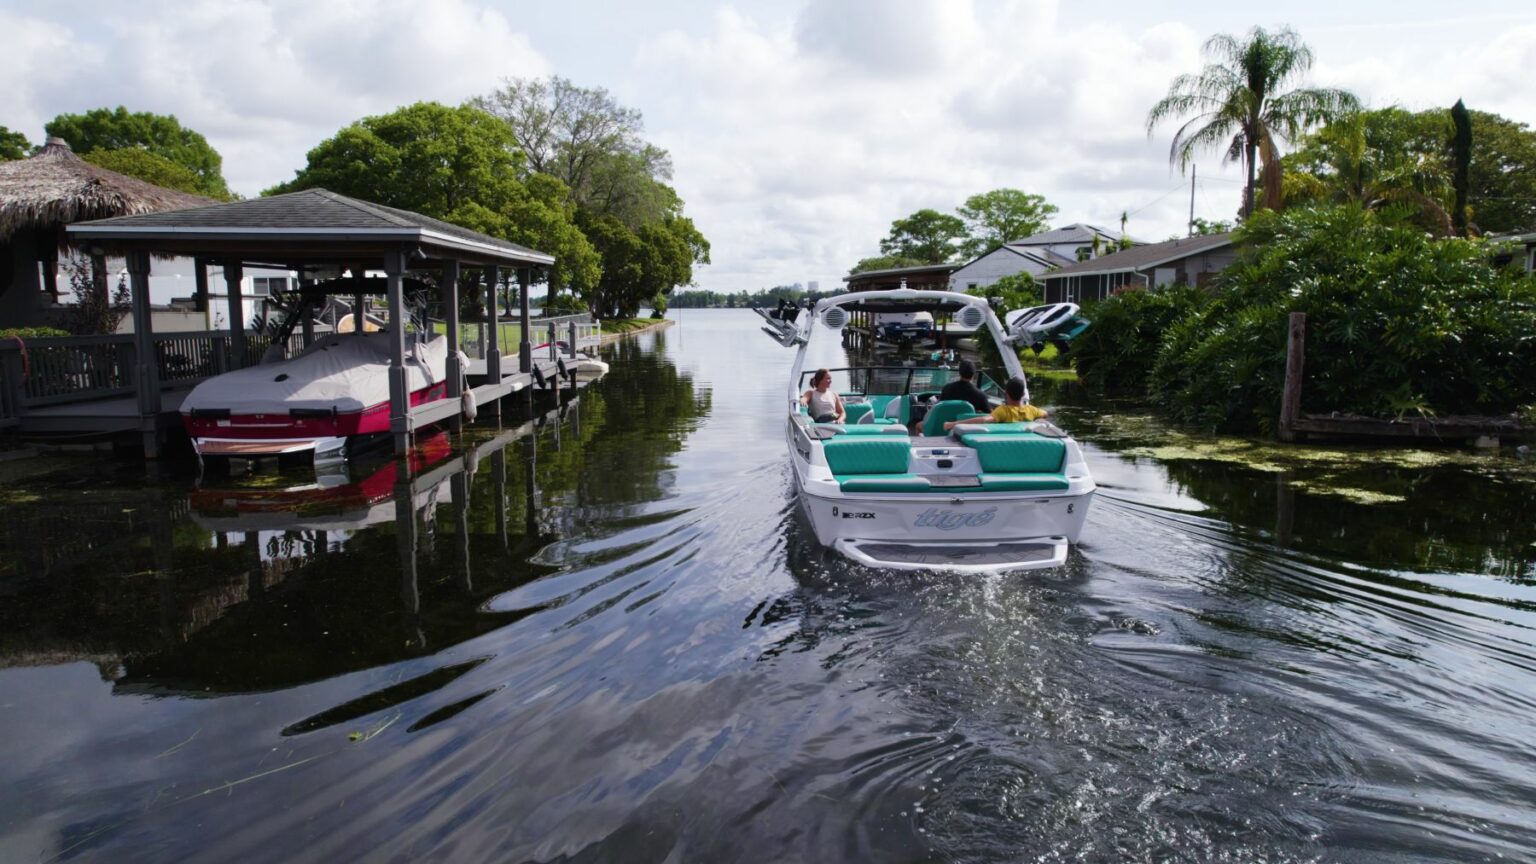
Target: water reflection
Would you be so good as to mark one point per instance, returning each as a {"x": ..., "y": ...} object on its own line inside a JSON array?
[{"x": 613, "y": 639}]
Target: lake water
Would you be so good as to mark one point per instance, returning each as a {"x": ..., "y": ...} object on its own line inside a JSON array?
[{"x": 616, "y": 641}]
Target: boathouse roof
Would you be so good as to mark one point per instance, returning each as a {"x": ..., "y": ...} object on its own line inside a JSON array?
[
  {"x": 57, "y": 187},
  {"x": 303, "y": 226}
]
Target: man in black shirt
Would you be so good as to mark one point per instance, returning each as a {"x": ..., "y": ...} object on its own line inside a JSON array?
[{"x": 964, "y": 389}]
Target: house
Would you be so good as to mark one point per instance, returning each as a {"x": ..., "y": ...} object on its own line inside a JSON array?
[
  {"x": 1005, "y": 260},
  {"x": 1187, "y": 261},
  {"x": 1071, "y": 243},
  {"x": 1524, "y": 250},
  {"x": 1034, "y": 255}
]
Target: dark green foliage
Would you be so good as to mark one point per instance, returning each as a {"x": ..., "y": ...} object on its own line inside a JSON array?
[
  {"x": 1018, "y": 291},
  {"x": 456, "y": 164},
  {"x": 149, "y": 167},
  {"x": 1461, "y": 160},
  {"x": 763, "y": 298},
  {"x": 13, "y": 145},
  {"x": 97, "y": 308},
  {"x": 162, "y": 135},
  {"x": 885, "y": 262},
  {"x": 996, "y": 217},
  {"x": 31, "y": 332},
  {"x": 639, "y": 265},
  {"x": 1397, "y": 323},
  {"x": 1501, "y": 178},
  {"x": 1118, "y": 350},
  {"x": 928, "y": 236}
]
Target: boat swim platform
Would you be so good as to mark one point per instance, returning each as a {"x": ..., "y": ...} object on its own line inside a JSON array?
[{"x": 97, "y": 418}]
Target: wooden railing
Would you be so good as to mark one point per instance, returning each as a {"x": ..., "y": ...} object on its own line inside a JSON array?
[
  {"x": 52, "y": 371},
  {"x": 473, "y": 337}
]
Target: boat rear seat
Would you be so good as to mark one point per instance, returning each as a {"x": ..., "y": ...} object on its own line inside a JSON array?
[
  {"x": 873, "y": 463},
  {"x": 1018, "y": 462},
  {"x": 864, "y": 429}
]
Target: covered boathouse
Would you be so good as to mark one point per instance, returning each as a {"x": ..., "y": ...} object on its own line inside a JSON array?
[{"x": 317, "y": 232}]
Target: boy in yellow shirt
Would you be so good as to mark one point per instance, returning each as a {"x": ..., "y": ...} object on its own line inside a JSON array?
[{"x": 1016, "y": 411}]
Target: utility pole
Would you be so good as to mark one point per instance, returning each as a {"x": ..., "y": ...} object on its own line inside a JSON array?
[{"x": 1192, "y": 170}]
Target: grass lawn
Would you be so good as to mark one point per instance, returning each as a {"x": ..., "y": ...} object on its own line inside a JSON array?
[{"x": 1046, "y": 364}]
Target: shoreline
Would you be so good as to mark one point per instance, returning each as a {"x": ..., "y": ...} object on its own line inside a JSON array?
[{"x": 662, "y": 324}]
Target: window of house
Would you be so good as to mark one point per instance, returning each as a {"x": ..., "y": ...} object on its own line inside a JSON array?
[{"x": 269, "y": 285}]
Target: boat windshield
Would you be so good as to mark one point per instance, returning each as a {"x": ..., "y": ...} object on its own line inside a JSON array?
[{"x": 897, "y": 380}]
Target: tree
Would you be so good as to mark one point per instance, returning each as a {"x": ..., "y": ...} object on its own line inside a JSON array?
[
  {"x": 162, "y": 135},
  {"x": 884, "y": 262},
  {"x": 147, "y": 166},
  {"x": 639, "y": 265},
  {"x": 460, "y": 165},
  {"x": 1240, "y": 97},
  {"x": 1388, "y": 158},
  {"x": 996, "y": 217},
  {"x": 1015, "y": 291},
  {"x": 582, "y": 136},
  {"x": 1501, "y": 178},
  {"x": 1461, "y": 159},
  {"x": 593, "y": 145},
  {"x": 13, "y": 145},
  {"x": 1201, "y": 227},
  {"x": 929, "y": 236}
]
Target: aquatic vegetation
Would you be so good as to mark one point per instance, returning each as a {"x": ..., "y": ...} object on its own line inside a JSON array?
[{"x": 1395, "y": 318}]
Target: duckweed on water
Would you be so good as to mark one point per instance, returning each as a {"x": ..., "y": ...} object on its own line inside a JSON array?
[{"x": 1155, "y": 439}]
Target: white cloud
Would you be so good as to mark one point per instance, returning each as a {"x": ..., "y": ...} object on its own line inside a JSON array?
[
  {"x": 266, "y": 81},
  {"x": 797, "y": 133}
]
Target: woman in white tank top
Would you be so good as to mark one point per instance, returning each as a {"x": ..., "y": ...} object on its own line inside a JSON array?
[{"x": 821, "y": 403}]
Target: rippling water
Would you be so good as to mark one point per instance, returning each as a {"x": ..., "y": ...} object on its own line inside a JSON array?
[{"x": 615, "y": 641}]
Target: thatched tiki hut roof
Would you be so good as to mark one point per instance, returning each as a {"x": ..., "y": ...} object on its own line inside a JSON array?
[{"x": 41, "y": 195}]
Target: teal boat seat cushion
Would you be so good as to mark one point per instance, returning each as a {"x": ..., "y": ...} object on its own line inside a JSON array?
[
  {"x": 1022, "y": 482},
  {"x": 865, "y": 429},
  {"x": 938, "y": 415},
  {"x": 884, "y": 483},
  {"x": 992, "y": 429},
  {"x": 868, "y": 454},
  {"x": 857, "y": 411},
  {"x": 1017, "y": 454}
]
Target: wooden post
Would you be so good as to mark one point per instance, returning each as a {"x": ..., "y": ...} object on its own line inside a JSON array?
[
  {"x": 146, "y": 372},
  {"x": 200, "y": 278},
  {"x": 1295, "y": 356},
  {"x": 493, "y": 335},
  {"x": 399, "y": 389},
  {"x": 450, "y": 294},
  {"x": 307, "y": 326},
  {"x": 499, "y": 473},
  {"x": 459, "y": 487},
  {"x": 406, "y": 535},
  {"x": 524, "y": 347},
  {"x": 234, "y": 272}
]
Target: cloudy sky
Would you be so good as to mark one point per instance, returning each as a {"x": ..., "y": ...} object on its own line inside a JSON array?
[{"x": 798, "y": 130}]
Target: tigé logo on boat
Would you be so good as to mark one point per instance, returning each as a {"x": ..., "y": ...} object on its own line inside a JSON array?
[{"x": 946, "y": 520}]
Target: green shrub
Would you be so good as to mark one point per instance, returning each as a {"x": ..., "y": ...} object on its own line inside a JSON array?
[
  {"x": 32, "y": 332},
  {"x": 1397, "y": 322},
  {"x": 1118, "y": 349}
]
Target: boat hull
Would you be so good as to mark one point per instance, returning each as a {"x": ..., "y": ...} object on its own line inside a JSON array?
[{"x": 330, "y": 436}]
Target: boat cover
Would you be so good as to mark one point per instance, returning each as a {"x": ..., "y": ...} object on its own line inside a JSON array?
[{"x": 347, "y": 372}]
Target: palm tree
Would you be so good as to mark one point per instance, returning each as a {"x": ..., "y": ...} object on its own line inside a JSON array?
[
  {"x": 1383, "y": 158},
  {"x": 1240, "y": 94}
]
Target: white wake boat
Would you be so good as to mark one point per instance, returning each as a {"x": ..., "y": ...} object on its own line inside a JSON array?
[{"x": 981, "y": 498}]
